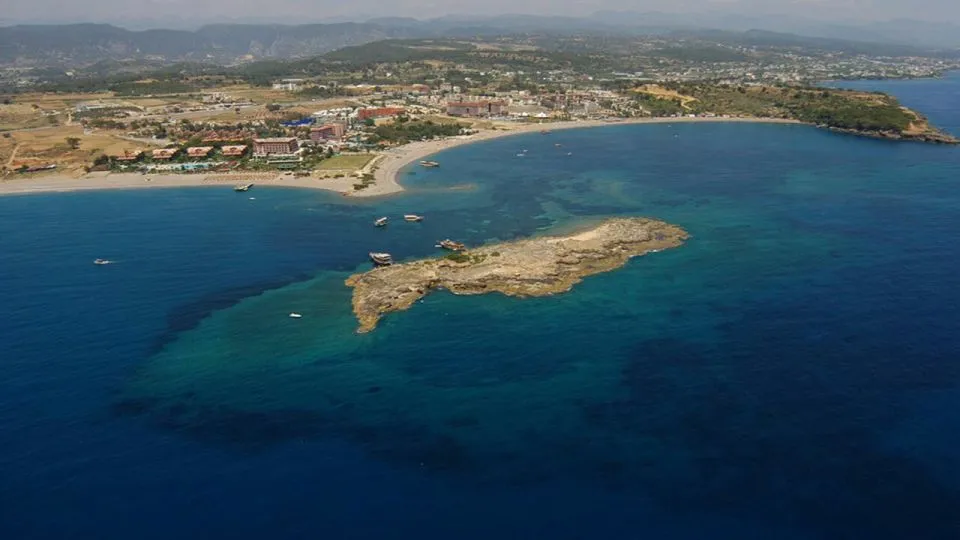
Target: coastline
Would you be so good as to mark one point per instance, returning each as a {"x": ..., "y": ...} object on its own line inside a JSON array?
[
  {"x": 385, "y": 168},
  {"x": 394, "y": 160},
  {"x": 111, "y": 181}
]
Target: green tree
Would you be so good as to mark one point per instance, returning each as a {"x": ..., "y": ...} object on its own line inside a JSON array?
[{"x": 73, "y": 142}]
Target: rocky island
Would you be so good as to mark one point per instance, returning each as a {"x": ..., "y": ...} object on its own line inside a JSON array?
[{"x": 532, "y": 267}]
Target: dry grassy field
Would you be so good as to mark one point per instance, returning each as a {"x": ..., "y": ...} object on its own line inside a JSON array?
[
  {"x": 50, "y": 146},
  {"x": 345, "y": 162},
  {"x": 663, "y": 93}
]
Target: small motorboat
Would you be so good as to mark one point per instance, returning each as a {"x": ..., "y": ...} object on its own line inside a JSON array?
[
  {"x": 558, "y": 145},
  {"x": 296, "y": 316},
  {"x": 451, "y": 245},
  {"x": 102, "y": 261},
  {"x": 429, "y": 164},
  {"x": 412, "y": 217},
  {"x": 242, "y": 188},
  {"x": 381, "y": 222},
  {"x": 381, "y": 259}
]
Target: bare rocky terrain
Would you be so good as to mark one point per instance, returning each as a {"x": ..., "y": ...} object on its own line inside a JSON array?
[{"x": 533, "y": 267}]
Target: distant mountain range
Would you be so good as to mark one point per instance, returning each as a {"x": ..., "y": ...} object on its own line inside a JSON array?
[
  {"x": 82, "y": 44},
  {"x": 899, "y": 31},
  {"x": 87, "y": 43}
]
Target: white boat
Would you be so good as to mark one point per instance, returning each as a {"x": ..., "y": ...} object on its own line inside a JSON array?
[
  {"x": 429, "y": 164},
  {"x": 242, "y": 188},
  {"x": 381, "y": 259},
  {"x": 296, "y": 316},
  {"x": 102, "y": 261},
  {"x": 412, "y": 217},
  {"x": 451, "y": 245},
  {"x": 381, "y": 222}
]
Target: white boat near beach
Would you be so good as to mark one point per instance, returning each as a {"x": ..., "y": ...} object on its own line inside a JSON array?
[
  {"x": 412, "y": 217},
  {"x": 381, "y": 222}
]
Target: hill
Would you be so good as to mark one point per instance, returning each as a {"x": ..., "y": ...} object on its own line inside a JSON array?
[
  {"x": 79, "y": 45},
  {"x": 82, "y": 44}
]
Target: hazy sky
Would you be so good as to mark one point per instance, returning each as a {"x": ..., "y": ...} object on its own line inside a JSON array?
[{"x": 194, "y": 12}]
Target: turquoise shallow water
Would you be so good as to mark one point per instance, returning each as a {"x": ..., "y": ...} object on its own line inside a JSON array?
[{"x": 789, "y": 373}]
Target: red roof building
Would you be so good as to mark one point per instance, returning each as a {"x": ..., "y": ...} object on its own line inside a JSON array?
[
  {"x": 199, "y": 151},
  {"x": 164, "y": 154},
  {"x": 328, "y": 132},
  {"x": 129, "y": 156},
  {"x": 236, "y": 150}
]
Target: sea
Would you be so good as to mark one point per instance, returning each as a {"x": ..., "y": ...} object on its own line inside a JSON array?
[{"x": 792, "y": 372}]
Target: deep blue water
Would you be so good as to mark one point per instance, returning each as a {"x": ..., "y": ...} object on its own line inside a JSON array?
[{"x": 791, "y": 372}]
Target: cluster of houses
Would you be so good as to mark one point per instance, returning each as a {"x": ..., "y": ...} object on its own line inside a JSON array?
[
  {"x": 331, "y": 128},
  {"x": 520, "y": 106},
  {"x": 280, "y": 146}
]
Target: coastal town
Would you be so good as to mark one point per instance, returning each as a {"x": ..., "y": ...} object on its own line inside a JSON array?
[
  {"x": 354, "y": 122},
  {"x": 612, "y": 270}
]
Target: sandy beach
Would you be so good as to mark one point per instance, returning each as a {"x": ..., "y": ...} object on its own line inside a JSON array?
[
  {"x": 17, "y": 185},
  {"x": 385, "y": 167}
]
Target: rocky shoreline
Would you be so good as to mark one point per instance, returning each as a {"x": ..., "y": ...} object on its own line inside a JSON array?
[
  {"x": 930, "y": 137},
  {"x": 533, "y": 267}
]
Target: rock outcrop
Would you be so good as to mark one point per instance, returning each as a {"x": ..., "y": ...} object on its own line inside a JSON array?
[{"x": 533, "y": 267}]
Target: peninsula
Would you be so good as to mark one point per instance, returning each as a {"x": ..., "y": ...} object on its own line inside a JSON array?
[{"x": 532, "y": 267}]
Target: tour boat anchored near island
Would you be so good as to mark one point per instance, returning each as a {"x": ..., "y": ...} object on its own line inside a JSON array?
[
  {"x": 451, "y": 245},
  {"x": 381, "y": 259}
]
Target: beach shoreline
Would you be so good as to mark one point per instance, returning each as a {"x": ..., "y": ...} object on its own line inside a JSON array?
[
  {"x": 385, "y": 168},
  {"x": 124, "y": 181},
  {"x": 388, "y": 170}
]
